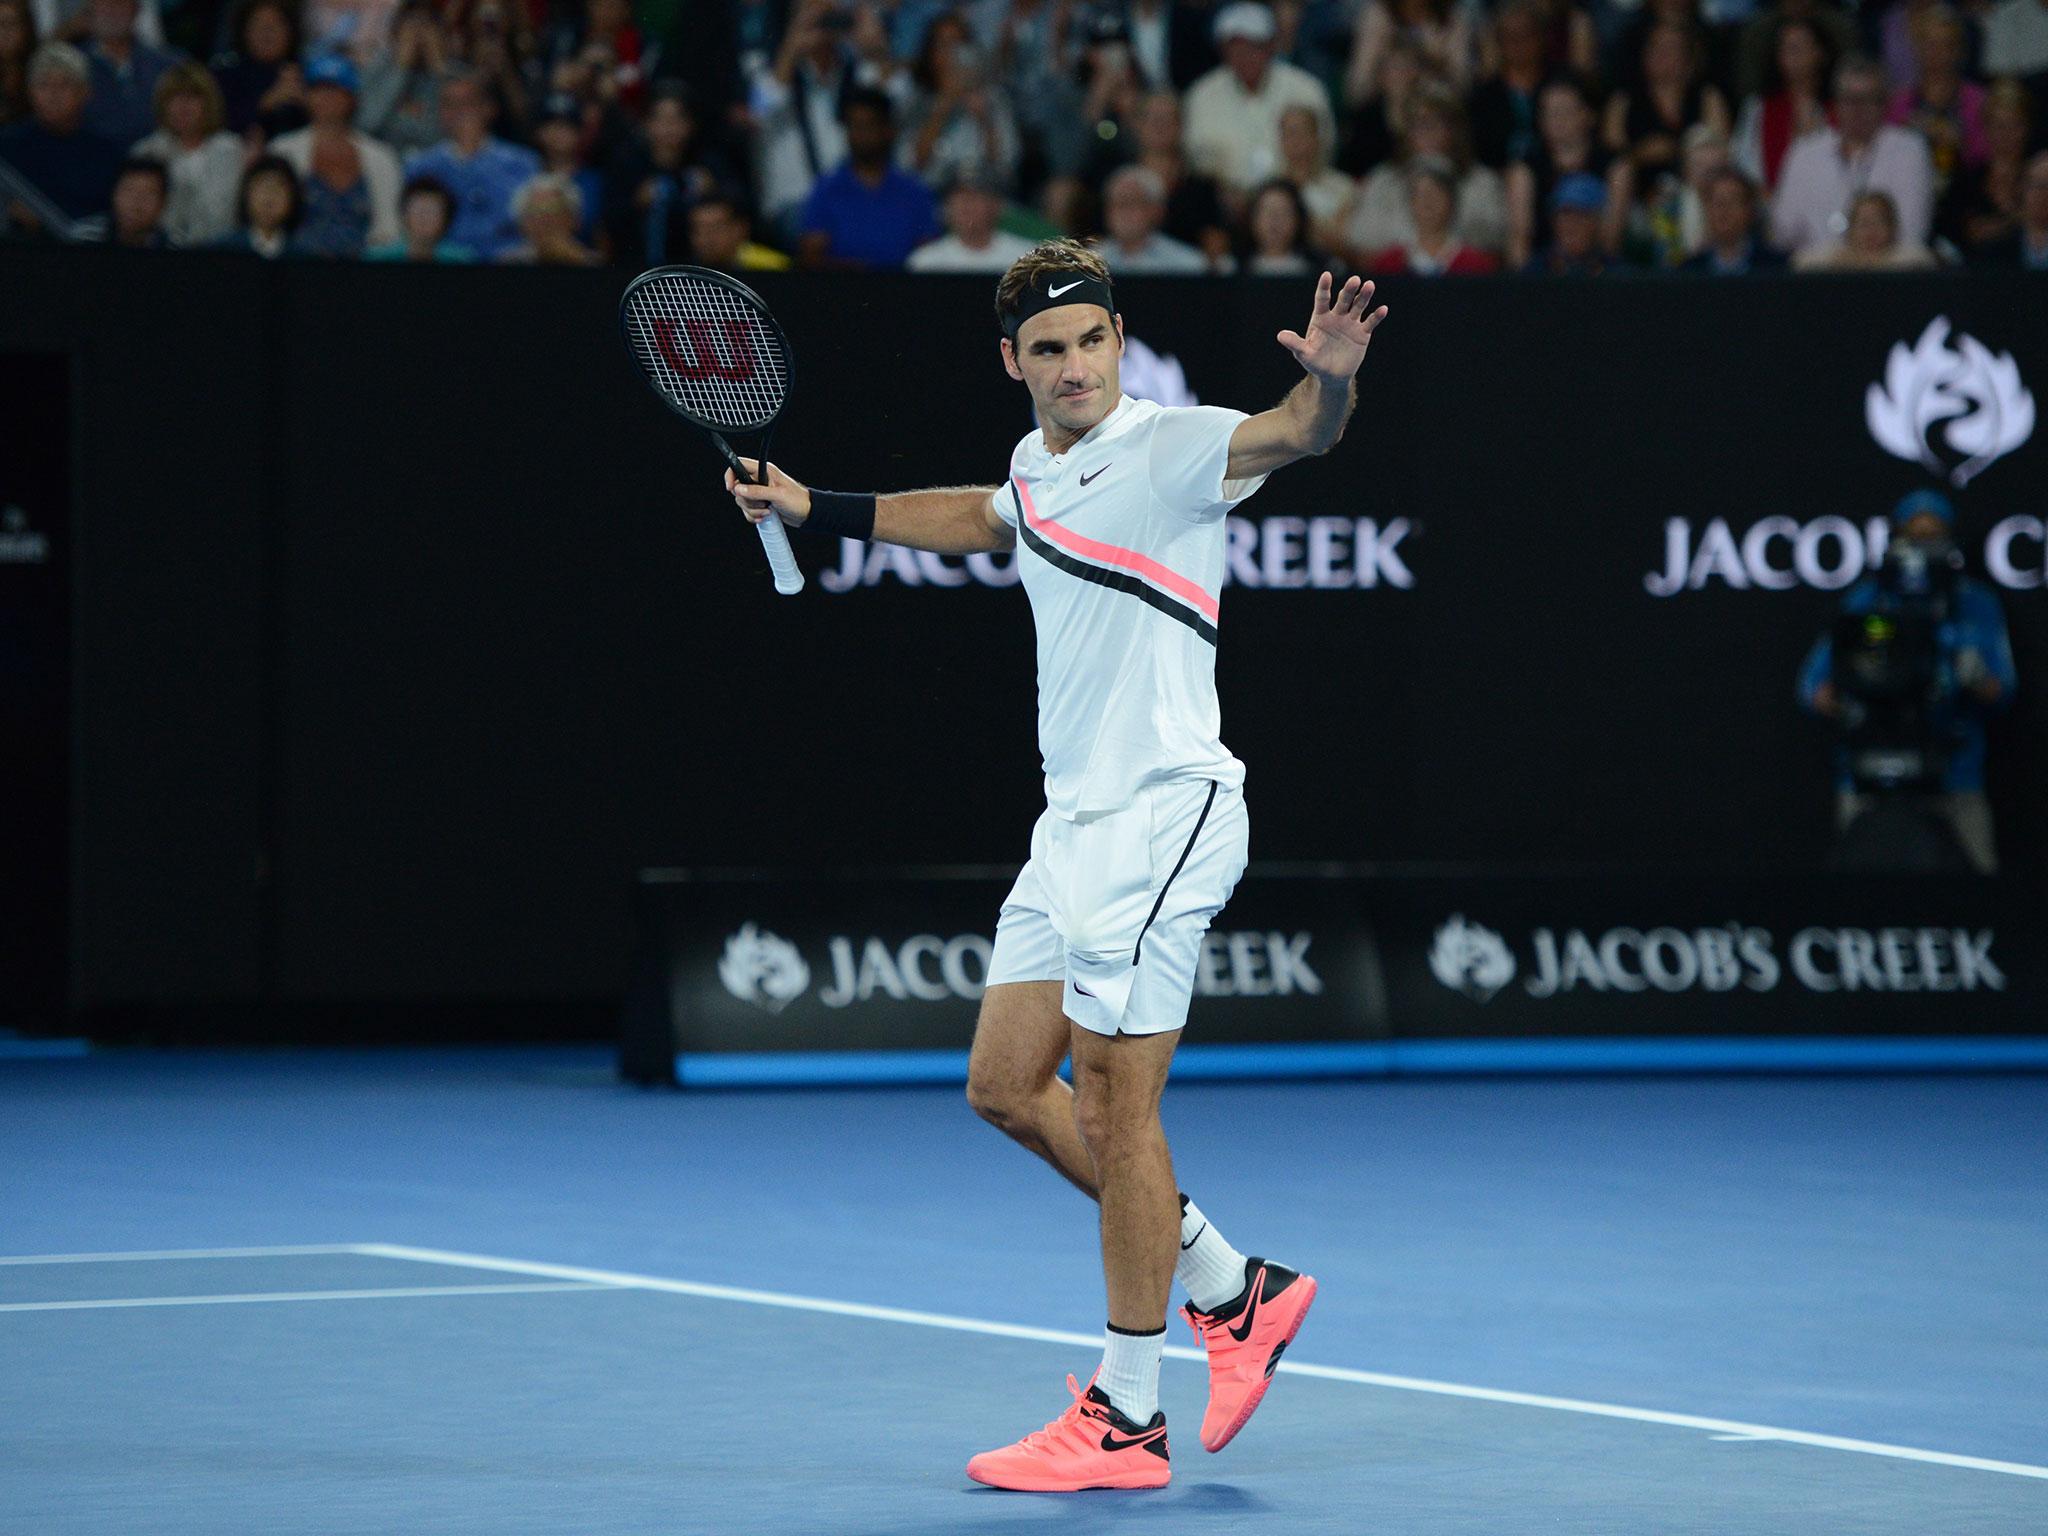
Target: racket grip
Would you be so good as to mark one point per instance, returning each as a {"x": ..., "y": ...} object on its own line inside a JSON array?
[{"x": 781, "y": 558}]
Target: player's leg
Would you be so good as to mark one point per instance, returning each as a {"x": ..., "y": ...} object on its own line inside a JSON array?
[
  {"x": 1117, "y": 1084},
  {"x": 1114, "y": 1435},
  {"x": 1245, "y": 1311},
  {"x": 1013, "y": 1079}
]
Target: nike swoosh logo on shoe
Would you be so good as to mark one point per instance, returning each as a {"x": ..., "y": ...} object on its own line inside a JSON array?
[
  {"x": 1243, "y": 1329},
  {"x": 1111, "y": 1443}
]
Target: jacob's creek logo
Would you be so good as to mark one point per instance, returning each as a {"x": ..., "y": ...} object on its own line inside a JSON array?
[
  {"x": 1480, "y": 963},
  {"x": 1326, "y": 554},
  {"x": 1954, "y": 410},
  {"x": 19, "y": 543},
  {"x": 1777, "y": 554},
  {"x": 768, "y": 971},
  {"x": 762, "y": 968}
]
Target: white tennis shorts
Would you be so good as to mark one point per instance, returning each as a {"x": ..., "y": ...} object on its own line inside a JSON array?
[{"x": 1116, "y": 905}]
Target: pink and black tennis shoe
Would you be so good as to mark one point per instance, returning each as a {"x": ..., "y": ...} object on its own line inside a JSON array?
[{"x": 1244, "y": 1341}]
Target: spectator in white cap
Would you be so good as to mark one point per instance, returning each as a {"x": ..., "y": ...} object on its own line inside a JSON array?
[
  {"x": 1234, "y": 111},
  {"x": 1133, "y": 208}
]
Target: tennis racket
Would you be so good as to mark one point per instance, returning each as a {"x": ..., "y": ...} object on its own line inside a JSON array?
[{"x": 708, "y": 346}]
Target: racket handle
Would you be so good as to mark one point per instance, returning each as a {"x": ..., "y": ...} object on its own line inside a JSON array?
[{"x": 781, "y": 558}]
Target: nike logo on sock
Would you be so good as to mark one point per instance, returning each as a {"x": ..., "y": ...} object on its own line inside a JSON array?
[
  {"x": 1184, "y": 1247},
  {"x": 1086, "y": 478}
]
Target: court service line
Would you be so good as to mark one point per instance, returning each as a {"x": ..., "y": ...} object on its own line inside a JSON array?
[
  {"x": 161, "y": 1254},
  {"x": 1731, "y": 1428},
  {"x": 113, "y": 1302}
]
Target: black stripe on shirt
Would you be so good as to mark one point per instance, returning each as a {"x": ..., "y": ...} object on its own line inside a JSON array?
[{"x": 1117, "y": 581}]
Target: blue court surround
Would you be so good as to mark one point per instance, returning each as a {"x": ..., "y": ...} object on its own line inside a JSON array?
[
  {"x": 1855, "y": 1256},
  {"x": 1393, "y": 1058}
]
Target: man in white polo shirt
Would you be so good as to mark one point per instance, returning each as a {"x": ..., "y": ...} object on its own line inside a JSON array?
[
  {"x": 1119, "y": 505},
  {"x": 1828, "y": 169},
  {"x": 1234, "y": 111}
]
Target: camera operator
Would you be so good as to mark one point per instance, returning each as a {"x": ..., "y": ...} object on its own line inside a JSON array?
[{"x": 1913, "y": 701}]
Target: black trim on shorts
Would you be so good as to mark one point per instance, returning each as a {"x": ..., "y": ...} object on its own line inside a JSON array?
[
  {"x": 1177, "y": 866},
  {"x": 1116, "y": 581}
]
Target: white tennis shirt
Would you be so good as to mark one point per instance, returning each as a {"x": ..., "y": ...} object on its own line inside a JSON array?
[{"x": 1120, "y": 540}]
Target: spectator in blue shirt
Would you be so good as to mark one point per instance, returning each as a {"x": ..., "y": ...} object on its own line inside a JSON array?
[
  {"x": 867, "y": 213},
  {"x": 1975, "y": 677},
  {"x": 483, "y": 174},
  {"x": 125, "y": 72}
]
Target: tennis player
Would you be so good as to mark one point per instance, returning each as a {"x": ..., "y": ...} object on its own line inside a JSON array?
[{"x": 1119, "y": 504}]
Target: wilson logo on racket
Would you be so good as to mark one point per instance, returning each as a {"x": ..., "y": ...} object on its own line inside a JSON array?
[{"x": 702, "y": 360}]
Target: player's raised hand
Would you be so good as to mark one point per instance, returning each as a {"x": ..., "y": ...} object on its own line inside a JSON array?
[
  {"x": 781, "y": 495},
  {"x": 1339, "y": 330}
]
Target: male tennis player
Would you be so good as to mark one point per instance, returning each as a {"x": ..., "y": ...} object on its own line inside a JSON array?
[{"x": 1120, "y": 506}]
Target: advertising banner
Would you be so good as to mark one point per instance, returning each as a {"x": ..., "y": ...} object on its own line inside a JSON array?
[
  {"x": 897, "y": 963},
  {"x": 1541, "y": 956},
  {"x": 894, "y": 963}
]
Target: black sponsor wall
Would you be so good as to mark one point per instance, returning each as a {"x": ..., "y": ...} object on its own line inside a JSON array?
[
  {"x": 35, "y": 703},
  {"x": 411, "y": 626}
]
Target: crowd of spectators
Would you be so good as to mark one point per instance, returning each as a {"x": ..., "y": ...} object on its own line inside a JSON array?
[{"x": 1187, "y": 136}]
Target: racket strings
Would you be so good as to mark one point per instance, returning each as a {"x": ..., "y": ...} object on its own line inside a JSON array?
[{"x": 708, "y": 350}]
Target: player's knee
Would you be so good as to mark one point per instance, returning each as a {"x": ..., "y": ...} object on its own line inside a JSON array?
[
  {"x": 995, "y": 1097},
  {"x": 1096, "y": 1119}
]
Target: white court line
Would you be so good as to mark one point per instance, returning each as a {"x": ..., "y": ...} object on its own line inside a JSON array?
[
  {"x": 368, "y": 1295},
  {"x": 181, "y": 1253},
  {"x": 1723, "y": 1427}
]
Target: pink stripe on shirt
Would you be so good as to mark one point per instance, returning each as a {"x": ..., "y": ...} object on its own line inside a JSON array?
[{"x": 1110, "y": 554}]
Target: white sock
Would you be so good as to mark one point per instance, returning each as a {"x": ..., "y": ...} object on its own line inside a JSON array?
[
  {"x": 1130, "y": 1372},
  {"x": 1211, "y": 1271}
]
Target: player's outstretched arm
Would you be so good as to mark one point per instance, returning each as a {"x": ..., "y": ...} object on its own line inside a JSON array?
[
  {"x": 1311, "y": 419},
  {"x": 952, "y": 520}
]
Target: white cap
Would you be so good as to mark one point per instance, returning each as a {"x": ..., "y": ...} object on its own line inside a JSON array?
[{"x": 1247, "y": 20}]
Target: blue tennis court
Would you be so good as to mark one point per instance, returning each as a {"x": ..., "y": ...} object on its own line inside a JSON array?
[{"x": 495, "y": 1291}]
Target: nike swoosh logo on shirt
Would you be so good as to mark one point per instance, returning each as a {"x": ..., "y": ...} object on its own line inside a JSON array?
[
  {"x": 1086, "y": 478},
  {"x": 1053, "y": 293}
]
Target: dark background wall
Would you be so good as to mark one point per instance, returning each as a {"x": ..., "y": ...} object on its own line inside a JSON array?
[{"x": 408, "y": 625}]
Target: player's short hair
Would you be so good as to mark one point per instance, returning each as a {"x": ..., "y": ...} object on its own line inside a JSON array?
[{"x": 1061, "y": 255}]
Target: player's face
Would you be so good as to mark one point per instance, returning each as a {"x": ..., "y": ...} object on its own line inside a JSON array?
[{"x": 1068, "y": 358}]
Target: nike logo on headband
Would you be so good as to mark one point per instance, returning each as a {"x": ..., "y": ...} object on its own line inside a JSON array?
[{"x": 1053, "y": 293}]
